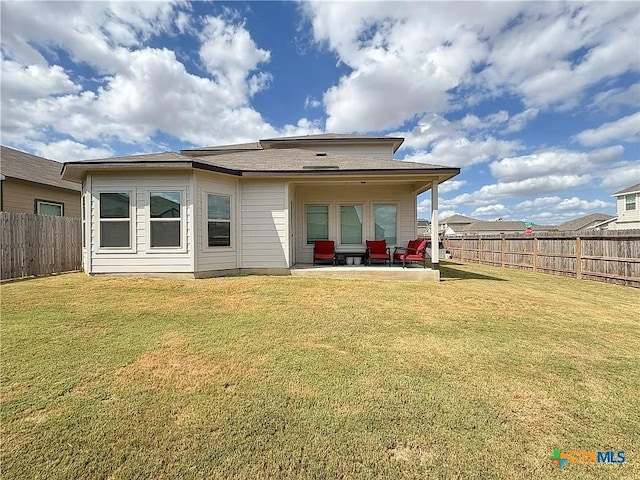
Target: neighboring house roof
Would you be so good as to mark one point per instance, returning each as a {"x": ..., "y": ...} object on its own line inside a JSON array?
[
  {"x": 626, "y": 191},
  {"x": 264, "y": 162},
  {"x": 458, "y": 219},
  {"x": 600, "y": 224},
  {"x": 31, "y": 168},
  {"x": 581, "y": 223},
  {"x": 501, "y": 226}
]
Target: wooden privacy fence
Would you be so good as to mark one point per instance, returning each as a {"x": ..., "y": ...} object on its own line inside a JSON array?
[
  {"x": 39, "y": 244},
  {"x": 605, "y": 256}
]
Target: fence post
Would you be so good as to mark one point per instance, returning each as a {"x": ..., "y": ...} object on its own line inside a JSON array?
[
  {"x": 535, "y": 254},
  {"x": 502, "y": 248},
  {"x": 578, "y": 258}
]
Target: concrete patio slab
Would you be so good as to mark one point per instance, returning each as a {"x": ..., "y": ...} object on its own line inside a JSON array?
[{"x": 413, "y": 273}]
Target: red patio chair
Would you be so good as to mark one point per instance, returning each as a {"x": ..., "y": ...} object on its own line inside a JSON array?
[
  {"x": 324, "y": 250},
  {"x": 415, "y": 252},
  {"x": 378, "y": 250}
]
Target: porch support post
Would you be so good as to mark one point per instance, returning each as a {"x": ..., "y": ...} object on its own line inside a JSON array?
[{"x": 435, "y": 244}]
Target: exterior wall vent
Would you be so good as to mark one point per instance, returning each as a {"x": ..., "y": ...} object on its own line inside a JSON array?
[{"x": 321, "y": 154}]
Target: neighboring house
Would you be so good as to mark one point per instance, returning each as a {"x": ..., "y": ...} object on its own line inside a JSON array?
[
  {"x": 248, "y": 208},
  {"x": 585, "y": 223},
  {"x": 455, "y": 224},
  {"x": 424, "y": 228},
  {"x": 32, "y": 184},
  {"x": 499, "y": 227},
  {"x": 627, "y": 208}
]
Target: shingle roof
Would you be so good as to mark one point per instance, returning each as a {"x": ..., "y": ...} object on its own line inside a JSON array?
[
  {"x": 223, "y": 148},
  {"x": 583, "y": 222},
  {"x": 162, "y": 157},
  {"x": 458, "y": 219},
  {"x": 31, "y": 168},
  {"x": 632, "y": 189},
  {"x": 333, "y": 137},
  {"x": 300, "y": 160},
  {"x": 277, "y": 161}
]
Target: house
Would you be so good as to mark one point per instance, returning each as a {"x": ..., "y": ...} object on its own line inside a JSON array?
[
  {"x": 627, "y": 208},
  {"x": 456, "y": 223},
  {"x": 32, "y": 184},
  {"x": 499, "y": 227},
  {"x": 249, "y": 208},
  {"x": 585, "y": 223}
]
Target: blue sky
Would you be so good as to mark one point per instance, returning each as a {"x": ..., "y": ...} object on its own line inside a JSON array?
[{"x": 538, "y": 103}]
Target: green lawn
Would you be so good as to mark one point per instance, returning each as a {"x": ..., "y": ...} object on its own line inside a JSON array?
[{"x": 478, "y": 376}]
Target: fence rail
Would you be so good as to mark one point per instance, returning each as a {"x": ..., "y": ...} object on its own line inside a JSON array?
[
  {"x": 39, "y": 245},
  {"x": 605, "y": 256}
]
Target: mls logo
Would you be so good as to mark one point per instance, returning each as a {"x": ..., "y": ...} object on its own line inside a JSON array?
[{"x": 558, "y": 458}]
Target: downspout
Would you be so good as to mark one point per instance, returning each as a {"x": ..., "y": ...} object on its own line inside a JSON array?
[{"x": 435, "y": 244}]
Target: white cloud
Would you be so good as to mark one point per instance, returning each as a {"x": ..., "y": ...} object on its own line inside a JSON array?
[
  {"x": 141, "y": 91},
  {"x": 538, "y": 203},
  {"x": 229, "y": 54},
  {"x": 576, "y": 203},
  {"x": 460, "y": 151},
  {"x": 557, "y": 51},
  {"x": 625, "y": 129},
  {"x": 553, "y": 162},
  {"x": 494, "y": 210},
  {"x": 502, "y": 191},
  {"x": 617, "y": 97},
  {"x": 26, "y": 82},
  {"x": 68, "y": 150},
  {"x": 547, "y": 54},
  {"x": 621, "y": 175},
  {"x": 520, "y": 120},
  {"x": 428, "y": 129},
  {"x": 472, "y": 122},
  {"x": 451, "y": 186},
  {"x": 310, "y": 102},
  {"x": 423, "y": 50}
]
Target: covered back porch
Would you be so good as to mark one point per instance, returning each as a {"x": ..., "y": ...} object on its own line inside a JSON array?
[{"x": 350, "y": 211}]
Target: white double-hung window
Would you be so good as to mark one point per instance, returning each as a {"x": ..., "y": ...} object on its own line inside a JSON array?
[
  {"x": 165, "y": 219},
  {"x": 218, "y": 220},
  {"x": 115, "y": 220}
]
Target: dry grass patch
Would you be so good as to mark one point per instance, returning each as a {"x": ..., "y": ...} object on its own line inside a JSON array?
[{"x": 174, "y": 365}]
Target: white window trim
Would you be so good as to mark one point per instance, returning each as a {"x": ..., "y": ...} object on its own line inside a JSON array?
[
  {"x": 329, "y": 206},
  {"x": 47, "y": 202},
  {"x": 205, "y": 225},
  {"x": 183, "y": 220},
  {"x": 373, "y": 219},
  {"x": 132, "y": 221},
  {"x": 363, "y": 235},
  {"x": 83, "y": 219},
  {"x": 635, "y": 202}
]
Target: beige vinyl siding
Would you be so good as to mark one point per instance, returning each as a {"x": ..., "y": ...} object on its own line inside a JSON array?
[
  {"x": 20, "y": 196},
  {"x": 374, "y": 151},
  {"x": 627, "y": 218},
  {"x": 142, "y": 259},
  {"x": 215, "y": 258},
  {"x": 368, "y": 196},
  {"x": 264, "y": 229}
]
